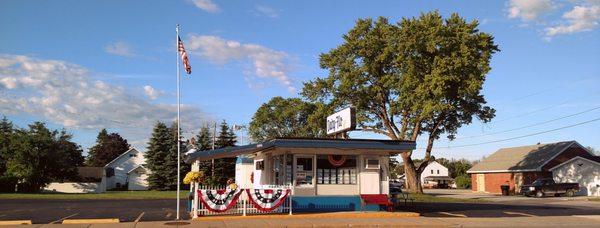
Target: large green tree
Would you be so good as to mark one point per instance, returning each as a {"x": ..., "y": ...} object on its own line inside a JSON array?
[
  {"x": 7, "y": 130},
  {"x": 224, "y": 167},
  {"x": 288, "y": 117},
  {"x": 40, "y": 155},
  {"x": 161, "y": 157},
  {"x": 158, "y": 150},
  {"x": 421, "y": 76},
  {"x": 202, "y": 142},
  {"x": 107, "y": 148}
]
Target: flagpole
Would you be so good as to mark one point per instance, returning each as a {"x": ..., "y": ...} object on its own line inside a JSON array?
[{"x": 178, "y": 120}]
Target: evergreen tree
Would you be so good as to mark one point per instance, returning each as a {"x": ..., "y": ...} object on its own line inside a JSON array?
[
  {"x": 7, "y": 181},
  {"x": 204, "y": 142},
  {"x": 224, "y": 167},
  {"x": 157, "y": 155},
  {"x": 107, "y": 148},
  {"x": 171, "y": 161}
]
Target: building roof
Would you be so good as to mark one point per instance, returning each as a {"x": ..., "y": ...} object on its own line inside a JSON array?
[
  {"x": 90, "y": 172},
  {"x": 371, "y": 144},
  {"x": 123, "y": 154},
  {"x": 138, "y": 167},
  {"x": 522, "y": 159}
]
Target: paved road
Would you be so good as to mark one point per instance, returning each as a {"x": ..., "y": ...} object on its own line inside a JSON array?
[{"x": 48, "y": 211}]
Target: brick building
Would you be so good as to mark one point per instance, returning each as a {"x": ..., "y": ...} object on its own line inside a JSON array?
[{"x": 517, "y": 166}]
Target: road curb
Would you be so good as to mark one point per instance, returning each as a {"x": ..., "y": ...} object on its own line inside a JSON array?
[
  {"x": 90, "y": 221},
  {"x": 319, "y": 215},
  {"x": 15, "y": 222}
]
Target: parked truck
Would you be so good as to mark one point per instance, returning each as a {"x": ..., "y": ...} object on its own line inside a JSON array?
[{"x": 546, "y": 186}]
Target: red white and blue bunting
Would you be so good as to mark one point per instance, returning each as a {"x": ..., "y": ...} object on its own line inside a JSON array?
[
  {"x": 267, "y": 199},
  {"x": 219, "y": 200}
]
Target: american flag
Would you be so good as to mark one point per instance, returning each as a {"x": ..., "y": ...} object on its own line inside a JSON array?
[{"x": 184, "y": 57}]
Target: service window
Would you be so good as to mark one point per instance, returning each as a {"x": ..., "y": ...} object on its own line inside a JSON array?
[
  {"x": 304, "y": 171},
  {"x": 336, "y": 169}
]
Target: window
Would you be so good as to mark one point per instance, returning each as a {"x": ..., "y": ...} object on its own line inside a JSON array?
[
  {"x": 304, "y": 172},
  {"x": 432, "y": 171},
  {"x": 132, "y": 155},
  {"x": 372, "y": 163},
  {"x": 260, "y": 165},
  {"x": 336, "y": 169},
  {"x": 438, "y": 171}
]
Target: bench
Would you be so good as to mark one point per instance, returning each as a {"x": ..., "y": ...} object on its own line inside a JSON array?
[
  {"x": 379, "y": 199},
  {"x": 406, "y": 198}
]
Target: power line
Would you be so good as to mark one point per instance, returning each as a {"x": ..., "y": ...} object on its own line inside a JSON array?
[
  {"x": 528, "y": 126},
  {"x": 518, "y": 137}
]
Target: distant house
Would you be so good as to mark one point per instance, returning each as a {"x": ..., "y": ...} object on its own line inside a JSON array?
[
  {"x": 434, "y": 175},
  {"x": 517, "y": 166},
  {"x": 585, "y": 171},
  {"x": 127, "y": 171}
]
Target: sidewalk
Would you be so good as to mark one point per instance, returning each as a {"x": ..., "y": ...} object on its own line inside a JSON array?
[{"x": 547, "y": 221}]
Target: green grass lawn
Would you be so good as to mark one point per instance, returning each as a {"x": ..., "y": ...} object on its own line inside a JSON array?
[
  {"x": 435, "y": 199},
  {"x": 594, "y": 199},
  {"x": 106, "y": 195}
]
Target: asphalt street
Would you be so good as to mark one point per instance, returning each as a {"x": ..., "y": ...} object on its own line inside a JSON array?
[{"x": 53, "y": 211}]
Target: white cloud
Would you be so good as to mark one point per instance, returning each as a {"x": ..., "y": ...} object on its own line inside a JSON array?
[
  {"x": 206, "y": 5},
  {"x": 267, "y": 11},
  {"x": 66, "y": 94},
  {"x": 580, "y": 19},
  {"x": 267, "y": 63},
  {"x": 120, "y": 49},
  {"x": 152, "y": 93},
  {"x": 529, "y": 10}
]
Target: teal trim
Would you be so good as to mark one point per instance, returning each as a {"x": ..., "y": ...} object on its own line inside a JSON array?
[{"x": 329, "y": 204}]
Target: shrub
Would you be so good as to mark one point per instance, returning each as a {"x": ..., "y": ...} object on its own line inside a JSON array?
[{"x": 463, "y": 181}]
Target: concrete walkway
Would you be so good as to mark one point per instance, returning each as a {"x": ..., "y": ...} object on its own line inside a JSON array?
[{"x": 548, "y": 221}]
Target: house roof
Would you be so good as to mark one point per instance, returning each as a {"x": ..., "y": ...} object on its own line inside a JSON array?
[
  {"x": 123, "y": 154},
  {"x": 371, "y": 144},
  {"x": 594, "y": 160},
  {"x": 137, "y": 167},
  {"x": 90, "y": 172},
  {"x": 522, "y": 159}
]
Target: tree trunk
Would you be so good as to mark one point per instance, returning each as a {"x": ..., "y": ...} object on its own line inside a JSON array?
[{"x": 413, "y": 183}]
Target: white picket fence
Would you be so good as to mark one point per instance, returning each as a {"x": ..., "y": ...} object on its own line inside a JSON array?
[{"x": 243, "y": 206}]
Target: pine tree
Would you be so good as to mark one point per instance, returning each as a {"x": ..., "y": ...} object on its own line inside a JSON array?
[
  {"x": 171, "y": 161},
  {"x": 157, "y": 156},
  {"x": 224, "y": 167},
  {"x": 107, "y": 148},
  {"x": 204, "y": 142},
  {"x": 7, "y": 130}
]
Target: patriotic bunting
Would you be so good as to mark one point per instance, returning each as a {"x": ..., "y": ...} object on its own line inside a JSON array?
[
  {"x": 219, "y": 200},
  {"x": 267, "y": 199}
]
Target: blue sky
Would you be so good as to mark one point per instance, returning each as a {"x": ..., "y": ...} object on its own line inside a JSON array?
[{"x": 85, "y": 65}]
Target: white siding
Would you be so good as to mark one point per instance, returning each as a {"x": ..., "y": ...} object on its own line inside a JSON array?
[
  {"x": 123, "y": 164},
  {"x": 138, "y": 180},
  {"x": 434, "y": 169},
  {"x": 582, "y": 171}
]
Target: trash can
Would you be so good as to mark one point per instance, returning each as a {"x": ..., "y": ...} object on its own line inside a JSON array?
[{"x": 505, "y": 189}]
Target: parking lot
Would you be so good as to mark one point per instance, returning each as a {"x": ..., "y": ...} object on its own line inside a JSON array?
[{"x": 54, "y": 211}]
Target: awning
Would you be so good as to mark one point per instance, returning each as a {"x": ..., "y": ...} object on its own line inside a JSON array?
[{"x": 371, "y": 144}]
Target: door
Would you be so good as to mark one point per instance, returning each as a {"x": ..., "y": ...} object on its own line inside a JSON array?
[{"x": 481, "y": 182}]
